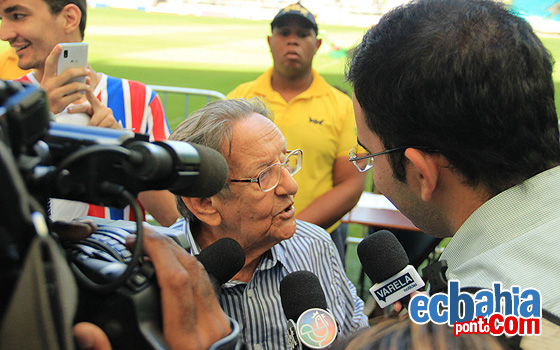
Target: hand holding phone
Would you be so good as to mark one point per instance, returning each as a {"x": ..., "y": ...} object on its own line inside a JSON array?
[
  {"x": 73, "y": 55},
  {"x": 58, "y": 72}
]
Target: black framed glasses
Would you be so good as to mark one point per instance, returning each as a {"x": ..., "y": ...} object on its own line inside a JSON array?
[
  {"x": 269, "y": 177},
  {"x": 364, "y": 163}
]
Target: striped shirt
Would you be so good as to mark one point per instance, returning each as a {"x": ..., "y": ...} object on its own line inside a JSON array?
[
  {"x": 136, "y": 107},
  {"x": 257, "y": 305}
]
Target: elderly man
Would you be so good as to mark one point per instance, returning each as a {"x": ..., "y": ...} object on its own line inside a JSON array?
[{"x": 256, "y": 209}]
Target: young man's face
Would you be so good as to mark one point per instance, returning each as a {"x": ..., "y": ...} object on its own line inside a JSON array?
[
  {"x": 30, "y": 28},
  {"x": 293, "y": 47},
  {"x": 405, "y": 197}
]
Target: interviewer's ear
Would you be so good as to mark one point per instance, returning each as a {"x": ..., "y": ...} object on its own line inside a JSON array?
[
  {"x": 423, "y": 172},
  {"x": 204, "y": 209}
]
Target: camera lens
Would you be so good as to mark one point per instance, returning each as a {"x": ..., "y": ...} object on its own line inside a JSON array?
[{"x": 65, "y": 53}]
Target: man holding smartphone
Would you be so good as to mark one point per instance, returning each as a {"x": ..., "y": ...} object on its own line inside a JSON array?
[{"x": 34, "y": 28}]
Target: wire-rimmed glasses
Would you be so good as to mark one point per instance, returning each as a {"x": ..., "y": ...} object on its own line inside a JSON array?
[
  {"x": 364, "y": 163},
  {"x": 269, "y": 177}
]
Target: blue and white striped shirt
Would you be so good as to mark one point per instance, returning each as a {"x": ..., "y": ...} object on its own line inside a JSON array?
[{"x": 257, "y": 306}]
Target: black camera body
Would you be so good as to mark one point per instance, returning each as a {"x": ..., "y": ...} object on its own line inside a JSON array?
[
  {"x": 41, "y": 160},
  {"x": 131, "y": 315}
]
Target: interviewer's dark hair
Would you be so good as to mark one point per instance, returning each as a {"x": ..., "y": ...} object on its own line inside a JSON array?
[
  {"x": 57, "y": 5},
  {"x": 466, "y": 78}
]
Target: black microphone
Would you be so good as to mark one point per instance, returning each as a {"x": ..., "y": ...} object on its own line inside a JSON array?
[
  {"x": 386, "y": 263},
  {"x": 89, "y": 159},
  {"x": 310, "y": 324},
  {"x": 187, "y": 169},
  {"x": 222, "y": 260}
]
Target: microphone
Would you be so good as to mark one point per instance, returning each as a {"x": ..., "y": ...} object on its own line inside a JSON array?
[
  {"x": 386, "y": 263},
  {"x": 310, "y": 324},
  {"x": 90, "y": 161},
  {"x": 187, "y": 169},
  {"x": 222, "y": 260}
]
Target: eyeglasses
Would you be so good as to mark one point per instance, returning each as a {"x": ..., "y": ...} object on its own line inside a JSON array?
[
  {"x": 364, "y": 163},
  {"x": 269, "y": 177}
]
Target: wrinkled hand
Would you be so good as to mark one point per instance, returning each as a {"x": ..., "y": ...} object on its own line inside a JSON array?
[
  {"x": 60, "y": 93},
  {"x": 192, "y": 317}
]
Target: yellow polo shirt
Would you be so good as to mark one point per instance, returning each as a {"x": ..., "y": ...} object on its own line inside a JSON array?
[
  {"x": 319, "y": 121},
  {"x": 9, "y": 65}
]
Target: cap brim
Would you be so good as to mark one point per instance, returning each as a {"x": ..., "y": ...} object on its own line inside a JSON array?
[{"x": 279, "y": 21}]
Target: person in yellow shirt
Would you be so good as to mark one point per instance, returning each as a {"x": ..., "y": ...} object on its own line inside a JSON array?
[
  {"x": 314, "y": 117},
  {"x": 9, "y": 65}
]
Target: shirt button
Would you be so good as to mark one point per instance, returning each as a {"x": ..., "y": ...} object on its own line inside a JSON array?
[{"x": 250, "y": 295}]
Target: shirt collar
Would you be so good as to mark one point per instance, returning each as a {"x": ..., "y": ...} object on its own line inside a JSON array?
[
  {"x": 195, "y": 248},
  {"x": 263, "y": 85}
]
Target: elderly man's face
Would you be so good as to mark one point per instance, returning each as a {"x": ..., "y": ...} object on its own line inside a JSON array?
[{"x": 256, "y": 219}]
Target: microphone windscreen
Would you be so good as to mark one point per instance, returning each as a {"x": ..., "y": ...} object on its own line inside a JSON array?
[
  {"x": 212, "y": 177},
  {"x": 300, "y": 291},
  {"x": 382, "y": 256},
  {"x": 222, "y": 259}
]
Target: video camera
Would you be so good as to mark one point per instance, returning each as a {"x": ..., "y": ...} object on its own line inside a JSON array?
[{"x": 40, "y": 159}]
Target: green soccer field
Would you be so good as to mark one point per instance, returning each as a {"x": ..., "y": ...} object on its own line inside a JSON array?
[{"x": 196, "y": 52}]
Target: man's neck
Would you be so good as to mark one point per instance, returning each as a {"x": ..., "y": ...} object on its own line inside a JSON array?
[
  {"x": 459, "y": 201},
  {"x": 289, "y": 87},
  {"x": 38, "y": 74},
  {"x": 205, "y": 236},
  {"x": 247, "y": 271}
]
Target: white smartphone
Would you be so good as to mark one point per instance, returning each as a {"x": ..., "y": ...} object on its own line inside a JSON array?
[{"x": 73, "y": 55}]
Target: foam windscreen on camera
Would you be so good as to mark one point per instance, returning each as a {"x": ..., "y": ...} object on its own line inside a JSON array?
[
  {"x": 301, "y": 291},
  {"x": 222, "y": 259},
  {"x": 212, "y": 176},
  {"x": 382, "y": 256}
]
